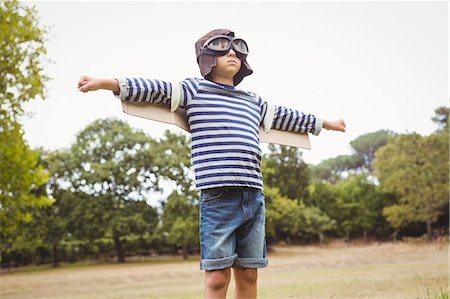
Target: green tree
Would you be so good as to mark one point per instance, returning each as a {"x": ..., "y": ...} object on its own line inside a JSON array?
[
  {"x": 332, "y": 170},
  {"x": 317, "y": 222},
  {"x": 441, "y": 118},
  {"x": 359, "y": 206},
  {"x": 180, "y": 210},
  {"x": 180, "y": 223},
  {"x": 22, "y": 51},
  {"x": 338, "y": 168},
  {"x": 291, "y": 221},
  {"x": 415, "y": 168},
  {"x": 285, "y": 169},
  {"x": 21, "y": 176},
  {"x": 21, "y": 80},
  {"x": 366, "y": 145},
  {"x": 116, "y": 164}
]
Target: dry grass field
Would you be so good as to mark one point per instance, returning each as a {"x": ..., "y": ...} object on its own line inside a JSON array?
[{"x": 378, "y": 270}]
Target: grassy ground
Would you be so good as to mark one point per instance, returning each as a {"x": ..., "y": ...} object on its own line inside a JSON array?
[{"x": 386, "y": 270}]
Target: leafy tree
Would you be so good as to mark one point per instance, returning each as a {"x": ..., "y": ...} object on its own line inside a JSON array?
[
  {"x": 285, "y": 169},
  {"x": 21, "y": 54},
  {"x": 415, "y": 168},
  {"x": 180, "y": 223},
  {"x": 180, "y": 211},
  {"x": 116, "y": 164},
  {"x": 359, "y": 206},
  {"x": 21, "y": 80},
  {"x": 332, "y": 170},
  {"x": 292, "y": 221},
  {"x": 338, "y": 168},
  {"x": 172, "y": 152},
  {"x": 21, "y": 176},
  {"x": 317, "y": 222},
  {"x": 441, "y": 118},
  {"x": 366, "y": 145}
]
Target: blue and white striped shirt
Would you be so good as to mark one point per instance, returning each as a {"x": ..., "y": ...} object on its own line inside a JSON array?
[{"x": 224, "y": 124}]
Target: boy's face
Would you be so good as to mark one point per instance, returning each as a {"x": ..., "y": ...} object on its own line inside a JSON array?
[{"x": 227, "y": 66}]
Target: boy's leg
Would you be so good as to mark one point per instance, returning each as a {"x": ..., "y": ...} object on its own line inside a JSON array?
[
  {"x": 216, "y": 283},
  {"x": 245, "y": 279}
]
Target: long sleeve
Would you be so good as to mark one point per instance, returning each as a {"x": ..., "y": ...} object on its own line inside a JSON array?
[
  {"x": 154, "y": 91},
  {"x": 292, "y": 120}
]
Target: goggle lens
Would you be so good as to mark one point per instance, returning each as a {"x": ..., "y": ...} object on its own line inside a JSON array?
[{"x": 221, "y": 44}]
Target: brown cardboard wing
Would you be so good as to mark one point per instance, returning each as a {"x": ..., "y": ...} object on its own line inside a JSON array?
[{"x": 161, "y": 112}]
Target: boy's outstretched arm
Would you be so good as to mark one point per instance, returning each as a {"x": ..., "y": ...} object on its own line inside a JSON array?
[
  {"x": 334, "y": 125},
  {"x": 86, "y": 84}
]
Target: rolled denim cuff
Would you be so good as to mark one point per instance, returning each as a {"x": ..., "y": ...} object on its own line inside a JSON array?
[
  {"x": 251, "y": 263},
  {"x": 218, "y": 264}
]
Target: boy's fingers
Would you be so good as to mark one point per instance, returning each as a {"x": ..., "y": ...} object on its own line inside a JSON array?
[
  {"x": 83, "y": 88},
  {"x": 83, "y": 80}
]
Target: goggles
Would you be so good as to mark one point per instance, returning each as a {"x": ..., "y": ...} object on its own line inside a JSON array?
[{"x": 219, "y": 45}]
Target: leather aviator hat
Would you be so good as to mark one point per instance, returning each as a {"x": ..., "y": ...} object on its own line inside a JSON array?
[{"x": 207, "y": 59}]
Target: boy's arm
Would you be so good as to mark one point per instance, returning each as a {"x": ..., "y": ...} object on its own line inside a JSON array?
[
  {"x": 138, "y": 89},
  {"x": 292, "y": 120}
]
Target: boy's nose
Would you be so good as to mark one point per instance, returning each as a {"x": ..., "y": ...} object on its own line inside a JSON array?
[{"x": 231, "y": 53}]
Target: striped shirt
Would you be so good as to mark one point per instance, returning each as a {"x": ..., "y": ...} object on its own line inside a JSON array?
[{"x": 224, "y": 123}]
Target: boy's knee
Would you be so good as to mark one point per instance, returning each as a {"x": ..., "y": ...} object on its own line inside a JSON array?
[
  {"x": 217, "y": 279},
  {"x": 246, "y": 275}
]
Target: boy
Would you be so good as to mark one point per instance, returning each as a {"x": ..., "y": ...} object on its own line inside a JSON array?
[{"x": 224, "y": 122}]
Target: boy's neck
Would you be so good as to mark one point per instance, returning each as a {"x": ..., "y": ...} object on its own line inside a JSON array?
[{"x": 223, "y": 80}]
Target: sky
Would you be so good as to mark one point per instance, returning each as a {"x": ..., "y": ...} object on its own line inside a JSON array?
[{"x": 378, "y": 65}]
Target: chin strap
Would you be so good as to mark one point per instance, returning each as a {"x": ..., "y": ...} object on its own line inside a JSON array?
[
  {"x": 175, "y": 97},
  {"x": 268, "y": 118}
]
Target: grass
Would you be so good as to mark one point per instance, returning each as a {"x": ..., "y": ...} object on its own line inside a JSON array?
[
  {"x": 378, "y": 270},
  {"x": 440, "y": 295}
]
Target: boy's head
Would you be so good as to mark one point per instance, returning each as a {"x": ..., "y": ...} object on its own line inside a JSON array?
[{"x": 217, "y": 43}]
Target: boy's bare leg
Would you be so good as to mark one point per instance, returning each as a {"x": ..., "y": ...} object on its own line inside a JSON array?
[
  {"x": 245, "y": 279},
  {"x": 216, "y": 283}
]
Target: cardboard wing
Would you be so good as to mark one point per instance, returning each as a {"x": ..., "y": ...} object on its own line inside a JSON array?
[{"x": 161, "y": 112}]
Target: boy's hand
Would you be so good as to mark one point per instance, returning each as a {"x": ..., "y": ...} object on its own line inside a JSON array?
[
  {"x": 335, "y": 125},
  {"x": 86, "y": 84}
]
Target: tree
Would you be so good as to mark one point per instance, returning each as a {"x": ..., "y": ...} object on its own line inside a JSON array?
[
  {"x": 21, "y": 176},
  {"x": 441, "y": 118},
  {"x": 415, "y": 168},
  {"x": 338, "y": 168},
  {"x": 285, "y": 169},
  {"x": 180, "y": 222},
  {"x": 317, "y": 222},
  {"x": 116, "y": 164},
  {"x": 21, "y": 80},
  {"x": 21, "y": 54},
  {"x": 366, "y": 145},
  {"x": 359, "y": 206},
  {"x": 292, "y": 221},
  {"x": 334, "y": 169}
]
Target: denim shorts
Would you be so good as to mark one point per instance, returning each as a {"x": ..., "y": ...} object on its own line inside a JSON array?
[{"x": 232, "y": 228}]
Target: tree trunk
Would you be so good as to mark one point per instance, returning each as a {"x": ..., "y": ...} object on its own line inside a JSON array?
[
  {"x": 55, "y": 256},
  {"x": 119, "y": 249},
  {"x": 394, "y": 235},
  {"x": 185, "y": 252},
  {"x": 429, "y": 233}
]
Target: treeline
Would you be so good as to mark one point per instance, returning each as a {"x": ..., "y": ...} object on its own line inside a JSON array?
[{"x": 94, "y": 202}]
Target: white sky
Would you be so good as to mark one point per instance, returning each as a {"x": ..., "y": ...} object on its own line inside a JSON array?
[{"x": 378, "y": 65}]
